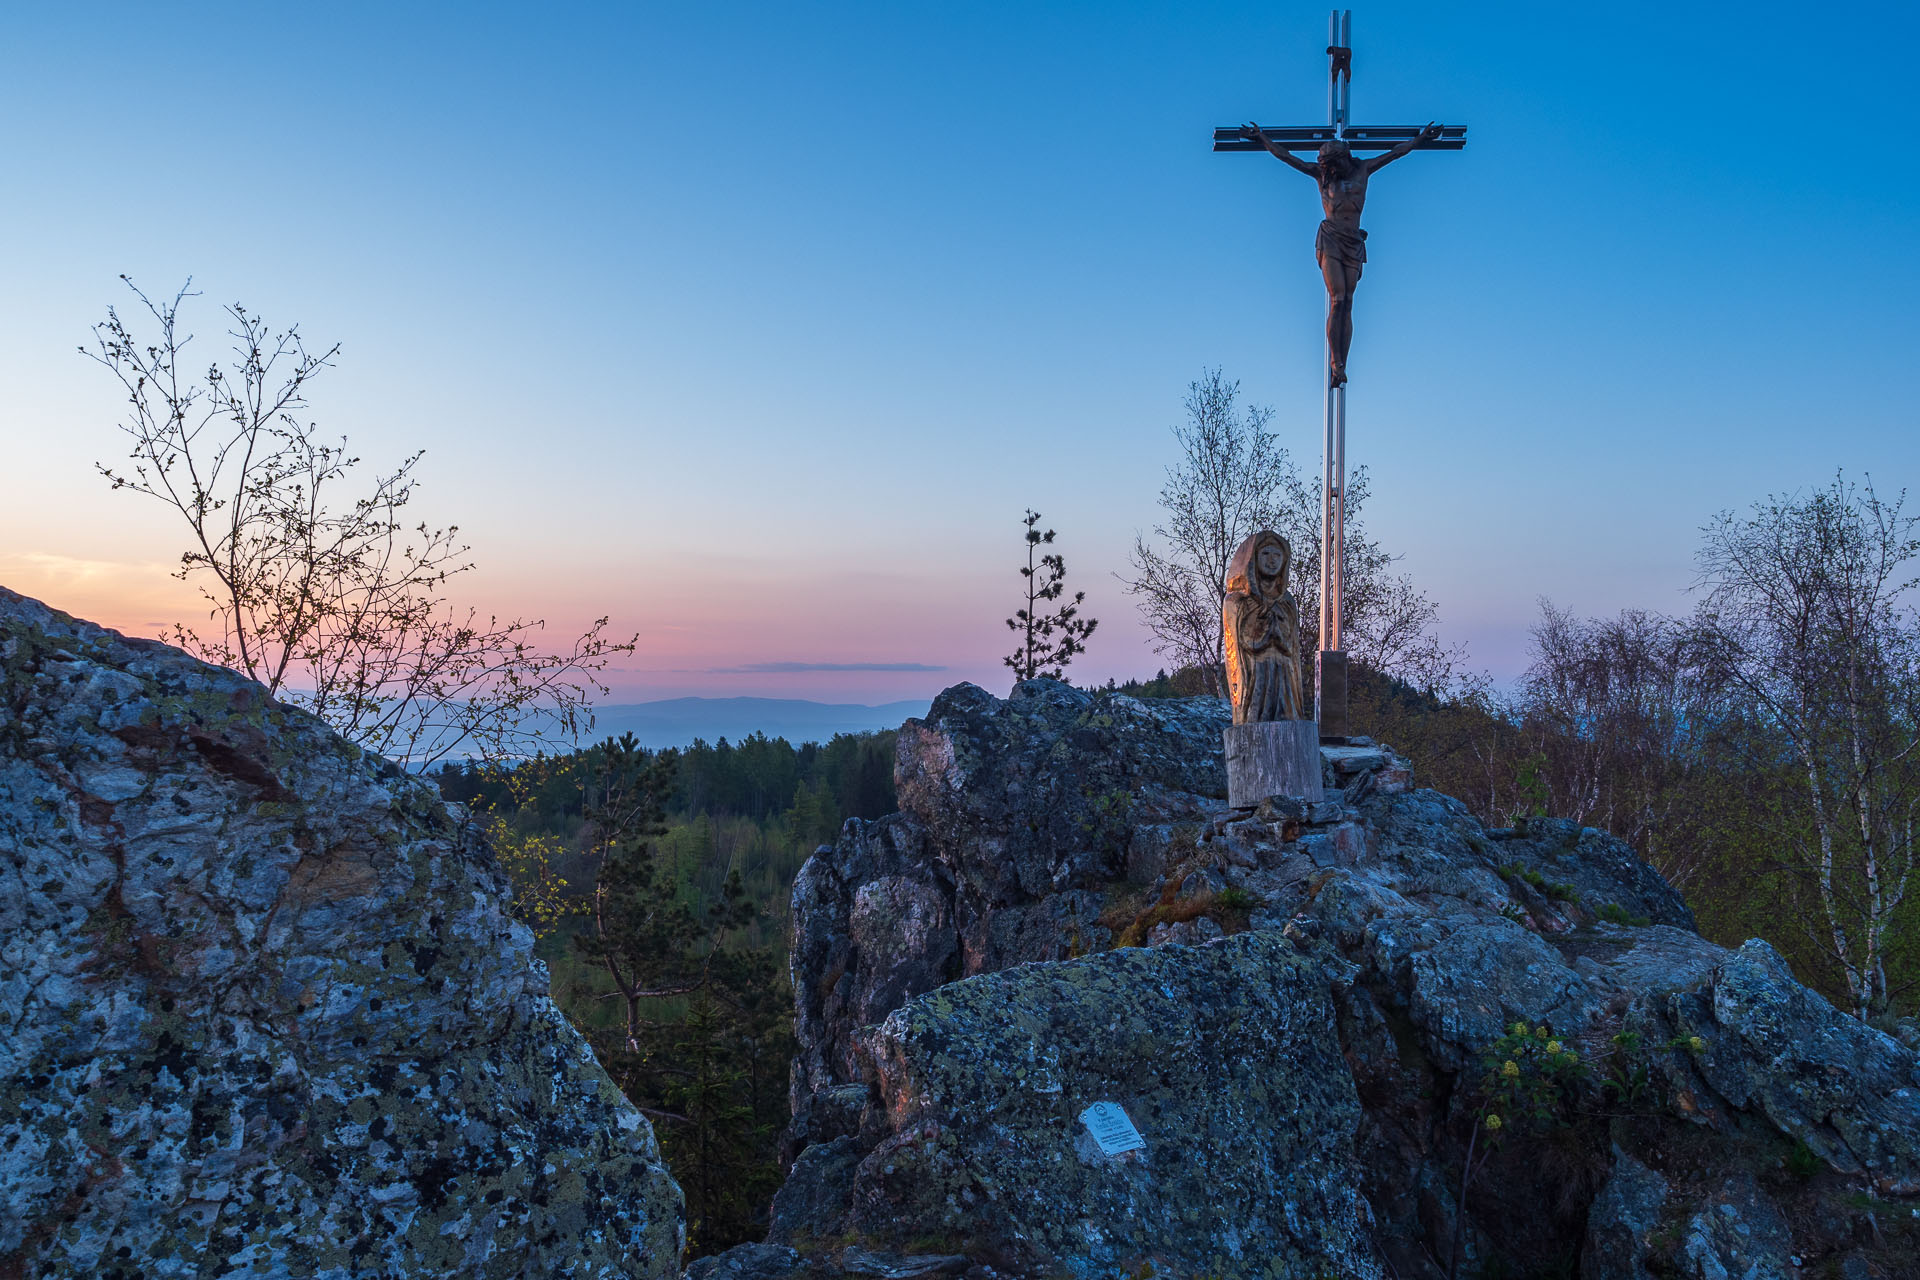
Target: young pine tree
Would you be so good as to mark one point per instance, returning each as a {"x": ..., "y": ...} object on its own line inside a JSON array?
[
  {"x": 1048, "y": 640},
  {"x": 704, "y": 1028}
]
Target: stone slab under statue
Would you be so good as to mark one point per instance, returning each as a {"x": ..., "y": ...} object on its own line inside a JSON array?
[{"x": 1272, "y": 748}]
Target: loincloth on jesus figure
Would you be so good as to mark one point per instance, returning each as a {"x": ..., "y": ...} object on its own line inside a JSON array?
[{"x": 1345, "y": 245}]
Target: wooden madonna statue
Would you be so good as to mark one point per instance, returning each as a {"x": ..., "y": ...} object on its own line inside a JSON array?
[{"x": 1273, "y": 745}]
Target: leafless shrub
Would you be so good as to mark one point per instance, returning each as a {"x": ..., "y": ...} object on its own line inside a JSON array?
[
  {"x": 334, "y": 605},
  {"x": 1611, "y": 711}
]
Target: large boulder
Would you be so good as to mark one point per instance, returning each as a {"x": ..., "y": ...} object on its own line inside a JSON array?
[
  {"x": 1224, "y": 1058},
  {"x": 266, "y": 1012},
  {"x": 1040, "y": 793}
]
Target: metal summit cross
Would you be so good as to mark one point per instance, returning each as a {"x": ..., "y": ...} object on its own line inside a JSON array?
[{"x": 1341, "y": 249}]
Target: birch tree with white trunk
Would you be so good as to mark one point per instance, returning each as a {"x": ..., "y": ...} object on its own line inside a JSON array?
[{"x": 1808, "y": 616}]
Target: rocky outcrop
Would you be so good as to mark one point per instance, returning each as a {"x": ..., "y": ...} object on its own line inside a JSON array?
[
  {"x": 1065, "y": 910},
  {"x": 1737, "y": 1232},
  {"x": 1769, "y": 1046},
  {"x": 1016, "y": 816},
  {"x": 265, "y": 1012}
]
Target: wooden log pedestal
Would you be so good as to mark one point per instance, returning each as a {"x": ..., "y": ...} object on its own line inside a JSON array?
[{"x": 1273, "y": 758}]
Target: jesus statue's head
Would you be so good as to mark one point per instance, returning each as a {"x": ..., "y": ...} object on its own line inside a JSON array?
[{"x": 1336, "y": 156}]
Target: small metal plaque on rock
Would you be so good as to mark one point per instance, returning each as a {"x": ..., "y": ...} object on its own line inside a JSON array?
[{"x": 1110, "y": 1127}]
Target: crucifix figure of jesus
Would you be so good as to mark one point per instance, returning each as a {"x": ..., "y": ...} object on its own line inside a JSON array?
[{"x": 1341, "y": 245}]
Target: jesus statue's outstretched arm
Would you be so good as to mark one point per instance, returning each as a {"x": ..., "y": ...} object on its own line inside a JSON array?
[
  {"x": 1254, "y": 133},
  {"x": 1399, "y": 149}
]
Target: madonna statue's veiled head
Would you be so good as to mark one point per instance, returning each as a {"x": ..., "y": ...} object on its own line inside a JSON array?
[{"x": 1259, "y": 566}]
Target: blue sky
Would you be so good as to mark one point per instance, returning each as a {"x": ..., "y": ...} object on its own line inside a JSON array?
[{"x": 757, "y": 327}]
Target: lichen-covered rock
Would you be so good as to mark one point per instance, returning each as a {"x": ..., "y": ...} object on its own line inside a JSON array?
[
  {"x": 1040, "y": 793},
  {"x": 1592, "y": 868},
  {"x": 1225, "y": 1059},
  {"x": 1622, "y": 1221},
  {"x": 266, "y": 1013},
  {"x": 1012, "y": 813},
  {"x": 1449, "y": 931},
  {"x": 849, "y": 1262},
  {"x": 812, "y": 1204},
  {"x": 1737, "y": 1234},
  {"x": 753, "y": 1262},
  {"x": 873, "y": 927},
  {"x": 1039, "y": 831},
  {"x": 1767, "y": 1044}
]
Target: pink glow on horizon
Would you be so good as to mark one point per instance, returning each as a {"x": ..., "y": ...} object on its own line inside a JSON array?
[
  {"x": 694, "y": 639},
  {"x": 693, "y": 642}
]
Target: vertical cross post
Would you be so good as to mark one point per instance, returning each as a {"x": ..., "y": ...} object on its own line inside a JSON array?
[
  {"x": 1330, "y": 694},
  {"x": 1283, "y": 141},
  {"x": 1339, "y": 70}
]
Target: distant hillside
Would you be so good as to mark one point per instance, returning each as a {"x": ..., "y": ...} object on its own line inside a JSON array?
[{"x": 675, "y": 722}]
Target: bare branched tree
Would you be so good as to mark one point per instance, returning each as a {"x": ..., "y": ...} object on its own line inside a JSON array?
[
  {"x": 1233, "y": 479},
  {"x": 1611, "y": 710},
  {"x": 334, "y": 606},
  {"x": 1808, "y": 616}
]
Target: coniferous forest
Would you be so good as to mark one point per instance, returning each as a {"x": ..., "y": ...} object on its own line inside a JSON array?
[{"x": 657, "y": 884}]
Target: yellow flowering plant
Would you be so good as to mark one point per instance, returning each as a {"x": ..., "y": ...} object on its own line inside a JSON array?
[
  {"x": 1531, "y": 1077},
  {"x": 1531, "y": 1080}
]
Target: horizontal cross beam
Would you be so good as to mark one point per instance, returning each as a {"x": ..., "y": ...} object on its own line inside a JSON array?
[{"x": 1358, "y": 137}]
